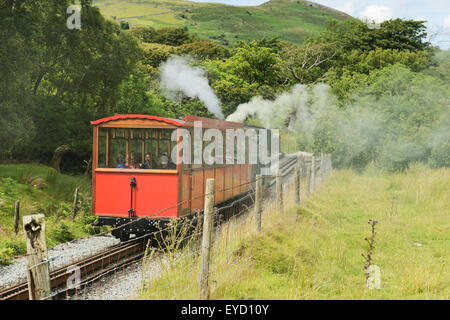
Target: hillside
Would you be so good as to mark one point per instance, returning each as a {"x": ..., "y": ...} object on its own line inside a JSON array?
[{"x": 289, "y": 20}]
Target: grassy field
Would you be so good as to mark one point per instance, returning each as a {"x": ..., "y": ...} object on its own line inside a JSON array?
[
  {"x": 40, "y": 189},
  {"x": 314, "y": 251},
  {"x": 289, "y": 20}
]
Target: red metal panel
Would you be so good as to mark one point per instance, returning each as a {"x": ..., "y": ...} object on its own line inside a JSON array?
[
  {"x": 249, "y": 175},
  {"x": 220, "y": 184},
  {"x": 228, "y": 182},
  {"x": 236, "y": 179},
  {"x": 197, "y": 190},
  {"x": 185, "y": 192},
  {"x": 208, "y": 174},
  {"x": 243, "y": 176},
  {"x": 153, "y": 193},
  {"x": 178, "y": 123}
]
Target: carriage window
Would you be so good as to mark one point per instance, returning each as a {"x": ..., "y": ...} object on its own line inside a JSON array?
[
  {"x": 135, "y": 158},
  {"x": 118, "y": 150},
  {"x": 135, "y": 148},
  {"x": 102, "y": 147}
]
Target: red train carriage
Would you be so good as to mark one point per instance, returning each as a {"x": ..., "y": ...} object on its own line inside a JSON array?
[{"x": 133, "y": 175}]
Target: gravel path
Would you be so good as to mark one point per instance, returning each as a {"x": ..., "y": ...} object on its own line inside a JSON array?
[{"x": 61, "y": 255}]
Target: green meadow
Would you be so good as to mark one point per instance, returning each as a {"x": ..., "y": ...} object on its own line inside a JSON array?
[{"x": 313, "y": 251}]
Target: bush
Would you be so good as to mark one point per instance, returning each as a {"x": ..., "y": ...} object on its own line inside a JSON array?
[
  {"x": 34, "y": 181},
  {"x": 61, "y": 233},
  {"x": 6, "y": 256},
  {"x": 10, "y": 248},
  {"x": 10, "y": 187},
  {"x": 124, "y": 25},
  {"x": 88, "y": 226}
]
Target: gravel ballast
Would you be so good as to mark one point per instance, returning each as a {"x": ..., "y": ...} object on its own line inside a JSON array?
[{"x": 60, "y": 256}]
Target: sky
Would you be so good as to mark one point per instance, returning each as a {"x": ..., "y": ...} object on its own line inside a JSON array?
[{"x": 436, "y": 12}]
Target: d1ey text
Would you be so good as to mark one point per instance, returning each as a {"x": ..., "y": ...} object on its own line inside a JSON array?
[{"x": 240, "y": 309}]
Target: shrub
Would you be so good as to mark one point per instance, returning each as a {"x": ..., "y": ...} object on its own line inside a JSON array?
[
  {"x": 62, "y": 233},
  {"x": 10, "y": 187},
  {"x": 10, "y": 248},
  {"x": 6, "y": 256},
  {"x": 34, "y": 181}
]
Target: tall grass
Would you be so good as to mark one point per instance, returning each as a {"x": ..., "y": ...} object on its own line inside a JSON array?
[
  {"x": 41, "y": 189},
  {"x": 314, "y": 251}
]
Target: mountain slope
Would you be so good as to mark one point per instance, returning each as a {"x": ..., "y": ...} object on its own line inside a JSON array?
[{"x": 291, "y": 20}]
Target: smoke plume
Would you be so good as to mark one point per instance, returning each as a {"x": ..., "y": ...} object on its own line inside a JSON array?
[
  {"x": 178, "y": 76},
  {"x": 367, "y": 129}
]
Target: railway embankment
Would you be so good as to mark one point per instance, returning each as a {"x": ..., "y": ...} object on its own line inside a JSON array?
[
  {"x": 314, "y": 251},
  {"x": 40, "y": 189}
]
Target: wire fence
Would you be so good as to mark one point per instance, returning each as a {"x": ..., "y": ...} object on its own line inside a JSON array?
[
  {"x": 177, "y": 248},
  {"x": 181, "y": 278}
]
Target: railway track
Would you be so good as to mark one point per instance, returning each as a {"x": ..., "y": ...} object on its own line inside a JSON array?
[
  {"x": 90, "y": 269},
  {"x": 106, "y": 262},
  {"x": 286, "y": 165}
]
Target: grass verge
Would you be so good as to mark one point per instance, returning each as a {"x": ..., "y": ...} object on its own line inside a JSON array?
[
  {"x": 314, "y": 251},
  {"x": 40, "y": 189}
]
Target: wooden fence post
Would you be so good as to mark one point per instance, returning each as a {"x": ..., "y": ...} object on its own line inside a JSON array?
[
  {"x": 313, "y": 174},
  {"x": 75, "y": 204},
  {"x": 301, "y": 166},
  {"x": 258, "y": 202},
  {"x": 206, "y": 238},
  {"x": 297, "y": 184},
  {"x": 322, "y": 168},
  {"x": 330, "y": 166},
  {"x": 279, "y": 184},
  {"x": 308, "y": 179},
  {"x": 16, "y": 217},
  {"x": 38, "y": 271}
]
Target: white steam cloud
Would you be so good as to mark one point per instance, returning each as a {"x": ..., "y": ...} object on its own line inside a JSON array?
[
  {"x": 304, "y": 109},
  {"x": 178, "y": 76},
  {"x": 299, "y": 108}
]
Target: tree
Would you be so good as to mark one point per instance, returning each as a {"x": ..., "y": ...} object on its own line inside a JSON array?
[
  {"x": 144, "y": 34},
  {"x": 351, "y": 34},
  {"x": 255, "y": 64},
  {"x": 51, "y": 74},
  {"x": 308, "y": 63},
  {"x": 124, "y": 25},
  {"x": 205, "y": 50},
  {"x": 155, "y": 54},
  {"x": 353, "y": 68},
  {"x": 171, "y": 36}
]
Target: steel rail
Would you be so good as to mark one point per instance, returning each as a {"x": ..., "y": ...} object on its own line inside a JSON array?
[
  {"x": 109, "y": 260},
  {"x": 89, "y": 268}
]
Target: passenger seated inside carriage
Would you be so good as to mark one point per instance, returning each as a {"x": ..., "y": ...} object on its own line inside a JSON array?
[
  {"x": 131, "y": 164},
  {"x": 147, "y": 163},
  {"x": 135, "y": 148},
  {"x": 120, "y": 163}
]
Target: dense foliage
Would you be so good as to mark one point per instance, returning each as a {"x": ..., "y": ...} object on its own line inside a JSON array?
[{"x": 55, "y": 80}]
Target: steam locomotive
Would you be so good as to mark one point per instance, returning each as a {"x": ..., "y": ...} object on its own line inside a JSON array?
[{"x": 139, "y": 178}]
